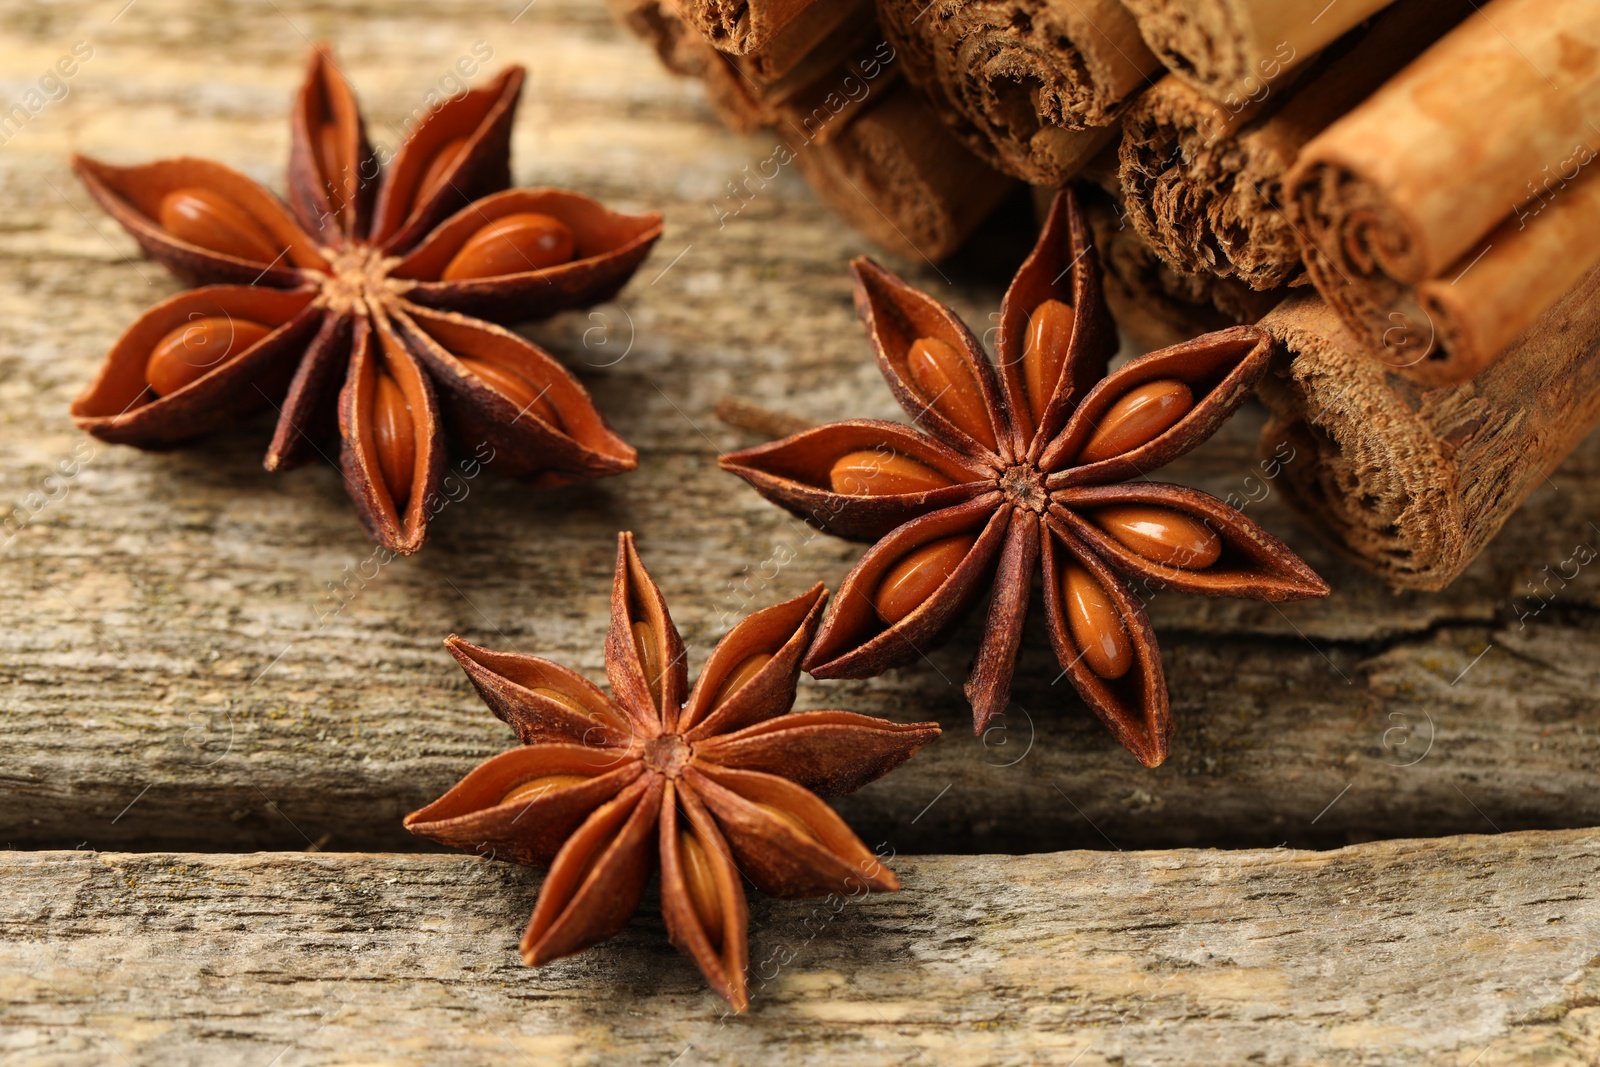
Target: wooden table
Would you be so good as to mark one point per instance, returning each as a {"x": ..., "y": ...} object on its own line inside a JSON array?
[{"x": 201, "y": 686}]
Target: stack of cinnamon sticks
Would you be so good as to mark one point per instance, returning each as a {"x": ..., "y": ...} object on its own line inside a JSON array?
[
  {"x": 1404, "y": 192},
  {"x": 825, "y": 80}
]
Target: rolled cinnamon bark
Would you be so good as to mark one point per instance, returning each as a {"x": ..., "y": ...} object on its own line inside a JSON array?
[
  {"x": 1229, "y": 49},
  {"x": 1024, "y": 84},
  {"x": 898, "y": 176},
  {"x": 1443, "y": 215},
  {"x": 1154, "y": 304},
  {"x": 812, "y": 44},
  {"x": 740, "y": 26},
  {"x": 1204, "y": 182},
  {"x": 683, "y": 50},
  {"x": 1412, "y": 482},
  {"x": 869, "y": 148}
]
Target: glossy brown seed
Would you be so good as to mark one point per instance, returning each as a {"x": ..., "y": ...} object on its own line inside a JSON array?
[
  {"x": 1140, "y": 416},
  {"x": 395, "y": 439},
  {"x": 441, "y": 162},
  {"x": 915, "y": 578},
  {"x": 515, "y": 388},
  {"x": 1096, "y": 624},
  {"x": 741, "y": 674},
  {"x": 791, "y": 821},
  {"x": 534, "y": 788},
  {"x": 212, "y": 221},
  {"x": 1162, "y": 534},
  {"x": 644, "y": 641},
  {"x": 1049, "y": 336},
  {"x": 512, "y": 245},
  {"x": 875, "y": 473},
  {"x": 947, "y": 384},
  {"x": 571, "y": 702},
  {"x": 701, "y": 882},
  {"x": 196, "y": 348}
]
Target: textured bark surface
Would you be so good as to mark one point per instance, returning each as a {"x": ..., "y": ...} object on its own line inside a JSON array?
[
  {"x": 1475, "y": 950},
  {"x": 1204, "y": 183},
  {"x": 1028, "y": 85},
  {"x": 1227, "y": 48},
  {"x": 200, "y": 655},
  {"x": 1414, "y": 482}
]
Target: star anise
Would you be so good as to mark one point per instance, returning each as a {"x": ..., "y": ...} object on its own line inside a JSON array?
[
  {"x": 717, "y": 785},
  {"x": 368, "y": 283},
  {"x": 1026, "y": 463}
]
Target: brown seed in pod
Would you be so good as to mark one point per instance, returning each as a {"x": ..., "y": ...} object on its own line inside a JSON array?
[
  {"x": 195, "y": 349},
  {"x": 512, "y": 245}
]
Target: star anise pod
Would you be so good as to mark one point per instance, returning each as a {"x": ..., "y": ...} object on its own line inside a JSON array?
[
  {"x": 1022, "y": 464},
  {"x": 366, "y": 297},
  {"x": 716, "y": 784}
]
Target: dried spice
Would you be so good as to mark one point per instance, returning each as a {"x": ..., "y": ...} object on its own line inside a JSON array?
[
  {"x": 367, "y": 296},
  {"x": 720, "y": 784},
  {"x": 1024, "y": 465}
]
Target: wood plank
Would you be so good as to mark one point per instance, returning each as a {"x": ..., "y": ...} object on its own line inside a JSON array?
[
  {"x": 1475, "y": 950},
  {"x": 175, "y": 674}
]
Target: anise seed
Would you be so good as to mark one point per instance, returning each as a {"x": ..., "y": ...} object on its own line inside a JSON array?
[
  {"x": 572, "y": 702},
  {"x": 192, "y": 350},
  {"x": 1139, "y": 417},
  {"x": 1049, "y": 337},
  {"x": 512, "y": 245},
  {"x": 915, "y": 578},
  {"x": 1162, "y": 534},
  {"x": 212, "y": 221},
  {"x": 741, "y": 674},
  {"x": 442, "y": 161},
  {"x": 1096, "y": 625},
  {"x": 701, "y": 882},
  {"x": 644, "y": 641},
  {"x": 791, "y": 821},
  {"x": 948, "y": 384},
  {"x": 533, "y": 788},
  {"x": 395, "y": 439},
  {"x": 515, "y": 388},
  {"x": 874, "y": 473}
]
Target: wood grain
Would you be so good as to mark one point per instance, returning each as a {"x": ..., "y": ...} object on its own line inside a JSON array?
[
  {"x": 1083, "y": 958},
  {"x": 192, "y": 659}
]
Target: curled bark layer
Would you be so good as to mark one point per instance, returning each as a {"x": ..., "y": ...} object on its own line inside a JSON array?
[
  {"x": 1155, "y": 304},
  {"x": 1229, "y": 48},
  {"x": 1204, "y": 181},
  {"x": 740, "y": 26},
  {"x": 897, "y": 175},
  {"x": 1410, "y": 482},
  {"x": 1025, "y": 84},
  {"x": 1442, "y": 216}
]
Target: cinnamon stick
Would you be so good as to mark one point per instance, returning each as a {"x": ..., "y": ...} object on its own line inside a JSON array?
[
  {"x": 1154, "y": 304},
  {"x": 1204, "y": 182},
  {"x": 683, "y": 50},
  {"x": 1413, "y": 482},
  {"x": 1444, "y": 214},
  {"x": 740, "y": 26},
  {"x": 1024, "y": 84},
  {"x": 1230, "y": 49},
  {"x": 899, "y": 177}
]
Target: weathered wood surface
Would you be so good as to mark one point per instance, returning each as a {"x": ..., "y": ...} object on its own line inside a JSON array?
[
  {"x": 1084, "y": 958},
  {"x": 178, "y": 673}
]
